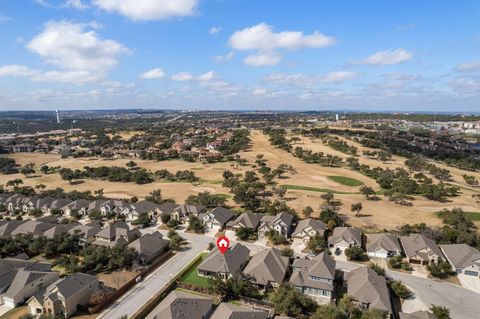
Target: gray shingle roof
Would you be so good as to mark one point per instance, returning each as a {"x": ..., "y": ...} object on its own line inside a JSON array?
[
  {"x": 367, "y": 287},
  {"x": 149, "y": 245},
  {"x": 71, "y": 285},
  {"x": 31, "y": 227},
  {"x": 347, "y": 234},
  {"x": 415, "y": 242},
  {"x": 284, "y": 217},
  {"x": 315, "y": 224},
  {"x": 249, "y": 220},
  {"x": 182, "y": 305},
  {"x": 231, "y": 311},
  {"x": 222, "y": 215},
  {"x": 386, "y": 241},
  {"x": 230, "y": 262},
  {"x": 145, "y": 206},
  {"x": 168, "y": 207},
  {"x": 267, "y": 266},
  {"x": 323, "y": 266},
  {"x": 461, "y": 255}
]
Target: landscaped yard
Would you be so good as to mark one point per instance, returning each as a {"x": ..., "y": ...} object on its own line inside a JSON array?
[
  {"x": 348, "y": 181},
  {"x": 191, "y": 277}
]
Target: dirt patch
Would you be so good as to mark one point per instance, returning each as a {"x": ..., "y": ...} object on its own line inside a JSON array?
[{"x": 116, "y": 279}]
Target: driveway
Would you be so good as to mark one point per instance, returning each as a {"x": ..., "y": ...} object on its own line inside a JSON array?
[
  {"x": 230, "y": 234},
  {"x": 211, "y": 232},
  {"x": 136, "y": 297},
  {"x": 470, "y": 282},
  {"x": 298, "y": 246}
]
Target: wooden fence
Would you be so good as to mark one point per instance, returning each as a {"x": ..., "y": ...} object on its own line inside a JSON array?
[{"x": 120, "y": 291}]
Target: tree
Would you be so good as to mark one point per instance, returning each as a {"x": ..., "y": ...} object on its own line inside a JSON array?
[
  {"x": 355, "y": 253},
  {"x": 99, "y": 193},
  {"x": 367, "y": 191},
  {"x": 440, "y": 312},
  {"x": 41, "y": 187},
  {"x": 291, "y": 302},
  {"x": 378, "y": 269},
  {"x": 357, "y": 207},
  {"x": 44, "y": 169},
  {"x": 14, "y": 182},
  {"x": 470, "y": 180},
  {"x": 307, "y": 212},
  {"x": 164, "y": 218},
  {"x": 195, "y": 225},
  {"x": 316, "y": 243},
  {"x": 400, "y": 289},
  {"x": 176, "y": 240},
  {"x": 155, "y": 196},
  {"x": 327, "y": 197},
  {"x": 143, "y": 220},
  {"x": 245, "y": 233},
  {"x": 440, "y": 270},
  {"x": 206, "y": 199},
  {"x": 28, "y": 169},
  {"x": 131, "y": 165}
]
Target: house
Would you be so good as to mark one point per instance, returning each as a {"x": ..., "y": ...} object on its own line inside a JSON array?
[
  {"x": 25, "y": 284},
  {"x": 267, "y": 268},
  {"x": 345, "y": 237},
  {"x": 383, "y": 245},
  {"x": 224, "y": 265},
  {"x": 143, "y": 207},
  {"x": 7, "y": 227},
  {"x": 80, "y": 206},
  {"x": 31, "y": 227},
  {"x": 308, "y": 228},
  {"x": 167, "y": 208},
  {"x": 368, "y": 289},
  {"x": 314, "y": 277},
  {"x": 463, "y": 258},
  {"x": 57, "y": 204},
  {"x": 117, "y": 233},
  {"x": 182, "y": 305},
  {"x": 112, "y": 206},
  {"x": 246, "y": 220},
  {"x": 183, "y": 212},
  {"x": 86, "y": 233},
  {"x": 149, "y": 246},
  {"x": 56, "y": 230},
  {"x": 36, "y": 203},
  {"x": 282, "y": 223},
  {"x": 232, "y": 311},
  {"x": 420, "y": 249},
  {"x": 217, "y": 217},
  {"x": 63, "y": 297},
  {"x": 421, "y": 314},
  {"x": 15, "y": 202}
]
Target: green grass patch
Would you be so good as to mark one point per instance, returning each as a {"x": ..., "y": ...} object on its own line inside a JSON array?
[
  {"x": 192, "y": 277},
  {"x": 314, "y": 189},
  {"x": 348, "y": 181},
  {"x": 215, "y": 181},
  {"x": 473, "y": 216}
]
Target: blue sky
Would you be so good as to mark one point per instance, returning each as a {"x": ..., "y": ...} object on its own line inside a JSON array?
[{"x": 240, "y": 54}]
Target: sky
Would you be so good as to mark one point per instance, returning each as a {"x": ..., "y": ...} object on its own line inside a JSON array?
[{"x": 292, "y": 55}]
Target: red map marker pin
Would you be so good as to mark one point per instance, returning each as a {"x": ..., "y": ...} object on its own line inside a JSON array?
[{"x": 223, "y": 243}]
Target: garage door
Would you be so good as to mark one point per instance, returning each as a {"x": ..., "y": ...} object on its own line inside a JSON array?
[{"x": 471, "y": 273}]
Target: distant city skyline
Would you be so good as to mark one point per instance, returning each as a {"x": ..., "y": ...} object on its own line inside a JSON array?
[{"x": 287, "y": 55}]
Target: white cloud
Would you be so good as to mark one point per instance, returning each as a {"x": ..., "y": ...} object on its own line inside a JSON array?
[
  {"x": 224, "y": 58},
  {"x": 260, "y": 91},
  {"x": 44, "y": 3},
  {"x": 310, "y": 80},
  {"x": 75, "y": 4},
  {"x": 182, "y": 76},
  {"x": 72, "y": 47},
  {"x": 4, "y": 18},
  {"x": 215, "y": 84},
  {"x": 469, "y": 66},
  {"x": 149, "y": 9},
  {"x": 16, "y": 70},
  {"x": 153, "y": 74},
  {"x": 388, "y": 57},
  {"x": 208, "y": 76},
  {"x": 262, "y": 37},
  {"x": 79, "y": 77},
  {"x": 215, "y": 30},
  {"x": 339, "y": 76},
  {"x": 263, "y": 59}
]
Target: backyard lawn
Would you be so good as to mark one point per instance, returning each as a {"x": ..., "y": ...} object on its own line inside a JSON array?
[
  {"x": 191, "y": 277},
  {"x": 473, "y": 216}
]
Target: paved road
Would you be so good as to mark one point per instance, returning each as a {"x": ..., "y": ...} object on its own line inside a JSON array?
[
  {"x": 133, "y": 300},
  {"x": 463, "y": 303}
]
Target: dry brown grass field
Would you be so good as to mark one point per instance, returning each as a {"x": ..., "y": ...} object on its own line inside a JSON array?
[{"x": 375, "y": 214}]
